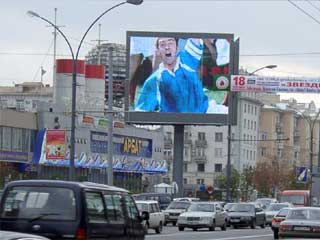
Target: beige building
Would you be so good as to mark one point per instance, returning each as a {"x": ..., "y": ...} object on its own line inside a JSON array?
[{"x": 285, "y": 134}]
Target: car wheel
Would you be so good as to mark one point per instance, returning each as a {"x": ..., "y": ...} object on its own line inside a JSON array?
[
  {"x": 181, "y": 228},
  {"x": 224, "y": 226},
  {"x": 275, "y": 234},
  {"x": 253, "y": 224},
  {"x": 194, "y": 229},
  {"x": 165, "y": 223},
  {"x": 263, "y": 224},
  {"x": 159, "y": 228},
  {"x": 174, "y": 223},
  {"x": 213, "y": 226}
]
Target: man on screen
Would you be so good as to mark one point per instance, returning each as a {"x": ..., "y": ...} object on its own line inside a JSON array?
[{"x": 175, "y": 85}]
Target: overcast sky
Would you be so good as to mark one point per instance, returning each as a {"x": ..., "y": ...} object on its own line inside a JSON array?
[{"x": 270, "y": 32}]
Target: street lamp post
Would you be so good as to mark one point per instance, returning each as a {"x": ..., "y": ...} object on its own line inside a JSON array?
[
  {"x": 74, "y": 75},
  {"x": 229, "y": 170},
  {"x": 268, "y": 66}
]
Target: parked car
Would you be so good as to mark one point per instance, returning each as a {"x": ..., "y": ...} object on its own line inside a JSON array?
[
  {"x": 277, "y": 219},
  {"x": 164, "y": 199},
  {"x": 64, "y": 210},
  {"x": 273, "y": 209},
  {"x": 301, "y": 222},
  {"x": 266, "y": 201},
  {"x": 174, "y": 210},
  {"x": 6, "y": 235},
  {"x": 156, "y": 217},
  {"x": 247, "y": 215},
  {"x": 203, "y": 215}
]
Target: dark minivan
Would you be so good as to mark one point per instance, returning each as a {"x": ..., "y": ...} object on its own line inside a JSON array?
[{"x": 70, "y": 210}]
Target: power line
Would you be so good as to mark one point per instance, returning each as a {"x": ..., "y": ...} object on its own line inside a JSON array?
[
  {"x": 313, "y": 5},
  {"x": 305, "y": 12}
]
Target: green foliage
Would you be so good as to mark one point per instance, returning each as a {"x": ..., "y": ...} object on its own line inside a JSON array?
[{"x": 235, "y": 181}]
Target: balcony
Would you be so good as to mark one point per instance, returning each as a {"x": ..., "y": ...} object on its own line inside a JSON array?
[
  {"x": 187, "y": 141},
  {"x": 201, "y": 143},
  {"x": 199, "y": 159},
  {"x": 168, "y": 143}
]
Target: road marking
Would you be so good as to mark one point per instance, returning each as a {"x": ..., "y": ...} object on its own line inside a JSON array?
[{"x": 226, "y": 238}]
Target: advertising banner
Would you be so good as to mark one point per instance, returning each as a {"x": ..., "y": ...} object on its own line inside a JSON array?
[
  {"x": 176, "y": 77},
  {"x": 55, "y": 144},
  {"x": 245, "y": 83},
  {"x": 301, "y": 174},
  {"x": 122, "y": 145}
]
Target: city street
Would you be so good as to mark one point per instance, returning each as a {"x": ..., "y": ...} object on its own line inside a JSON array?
[{"x": 172, "y": 233}]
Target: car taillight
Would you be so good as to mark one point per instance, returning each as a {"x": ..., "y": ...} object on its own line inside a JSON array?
[
  {"x": 81, "y": 234},
  {"x": 276, "y": 220},
  {"x": 285, "y": 227}
]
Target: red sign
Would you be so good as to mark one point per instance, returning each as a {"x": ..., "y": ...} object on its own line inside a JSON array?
[{"x": 55, "y": 144}]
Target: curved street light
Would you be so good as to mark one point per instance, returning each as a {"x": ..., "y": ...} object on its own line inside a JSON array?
[
  {"x": 74, "y": 80},
  {"x": 268, "y": 66}
]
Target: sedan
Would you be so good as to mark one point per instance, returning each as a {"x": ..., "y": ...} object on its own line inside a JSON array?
[
  {"x": 301, "y": 222},
  {"x": 203, "y": 215},
  {"x": 246, "y": 215},
  {"x": 277, "y": 219},
  {"x": 6, "y": 235},
  {"x": 273, "y": 209}
]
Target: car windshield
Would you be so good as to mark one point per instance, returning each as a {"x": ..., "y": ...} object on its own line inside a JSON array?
[
  {"x": 276, "y": 207},
  {"x": 179, "y": 205},
  {"x": 201, "y": 207},
  {"x": 304, "y": 214},
  {"x": 282, "y": 213},
  {"x": 228, "y": 206},
  {"x": 50, "y": 203},
  {"x": 295, "y": 199},
  {"x": 142, "y": 207},
  {"x": 242, "y": 208}
]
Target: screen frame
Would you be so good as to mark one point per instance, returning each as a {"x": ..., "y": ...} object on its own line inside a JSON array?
[{"x": 163, "y": 118}]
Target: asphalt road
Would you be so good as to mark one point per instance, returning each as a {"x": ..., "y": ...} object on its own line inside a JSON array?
[{"x": 172, "y": 233}]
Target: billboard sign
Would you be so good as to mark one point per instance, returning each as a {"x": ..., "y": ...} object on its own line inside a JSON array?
[
  {"x": 122, "y": 145},
  {"x": 179, "y": 78},
  {"x": 301, "y": 174},
  {"x": 55, "y": 144},
  {"x": 247, "y": 83}
]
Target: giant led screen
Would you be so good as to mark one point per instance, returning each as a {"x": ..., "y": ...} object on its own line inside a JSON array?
[{"x": 178, "y": 78}]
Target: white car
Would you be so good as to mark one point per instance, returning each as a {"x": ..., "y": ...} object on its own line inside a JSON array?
[
  {"x": 156, "y": 217},
  {"x": 8, "y": 235},
  {"x": 273, "y": 209},
  {"x": 203, "y": 215}
]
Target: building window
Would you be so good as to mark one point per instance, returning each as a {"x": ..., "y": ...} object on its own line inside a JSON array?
[
  {"x": 218, "y": 152},
  {"x": 202, "y": 136},
  {"x": 200, "y": 181},
  {"x": 264, "y": 136},
  {"x": 255, "y": 125},
  {"x": 245, "y": 108},
  {"x": 185, "y": 181},
  {"x": 185, "y": 167},
  {"x": 218, "y": 136},
  {"x": 6, "y": 138},
  {"x": 255, "y": 111},
  {"x": 263, "y": 151},
  {"x": 218, "y": 167},
  {"x": 201, "y": 167},
  {"x": 186, "y": 152},
  {"x": 296, "y": 155},
  {"x": 245, "y": 123},
  {"x": 20, "y": 105},
  {"x": 200, "y": 151}
]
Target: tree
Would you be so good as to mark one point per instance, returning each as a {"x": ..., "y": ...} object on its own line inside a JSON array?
[
  {"x": 235, "y": 181},
  {"x": 247, "y": 182}
]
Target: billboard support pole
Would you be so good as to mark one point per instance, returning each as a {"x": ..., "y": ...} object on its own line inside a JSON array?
[
  {"x": 110, "y": 109},
  {"x": 178, "y": 158}
]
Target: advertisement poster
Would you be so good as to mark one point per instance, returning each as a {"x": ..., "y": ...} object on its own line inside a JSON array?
[
  {"x": 55, "y": 144},
  {"x": 244, "y": 83}
]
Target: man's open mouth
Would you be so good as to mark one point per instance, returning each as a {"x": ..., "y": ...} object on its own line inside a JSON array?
[{"x": 168, "y": 54}]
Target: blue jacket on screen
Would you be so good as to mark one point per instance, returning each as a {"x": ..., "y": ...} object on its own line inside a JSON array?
[{"x": 178, "y": 91}]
